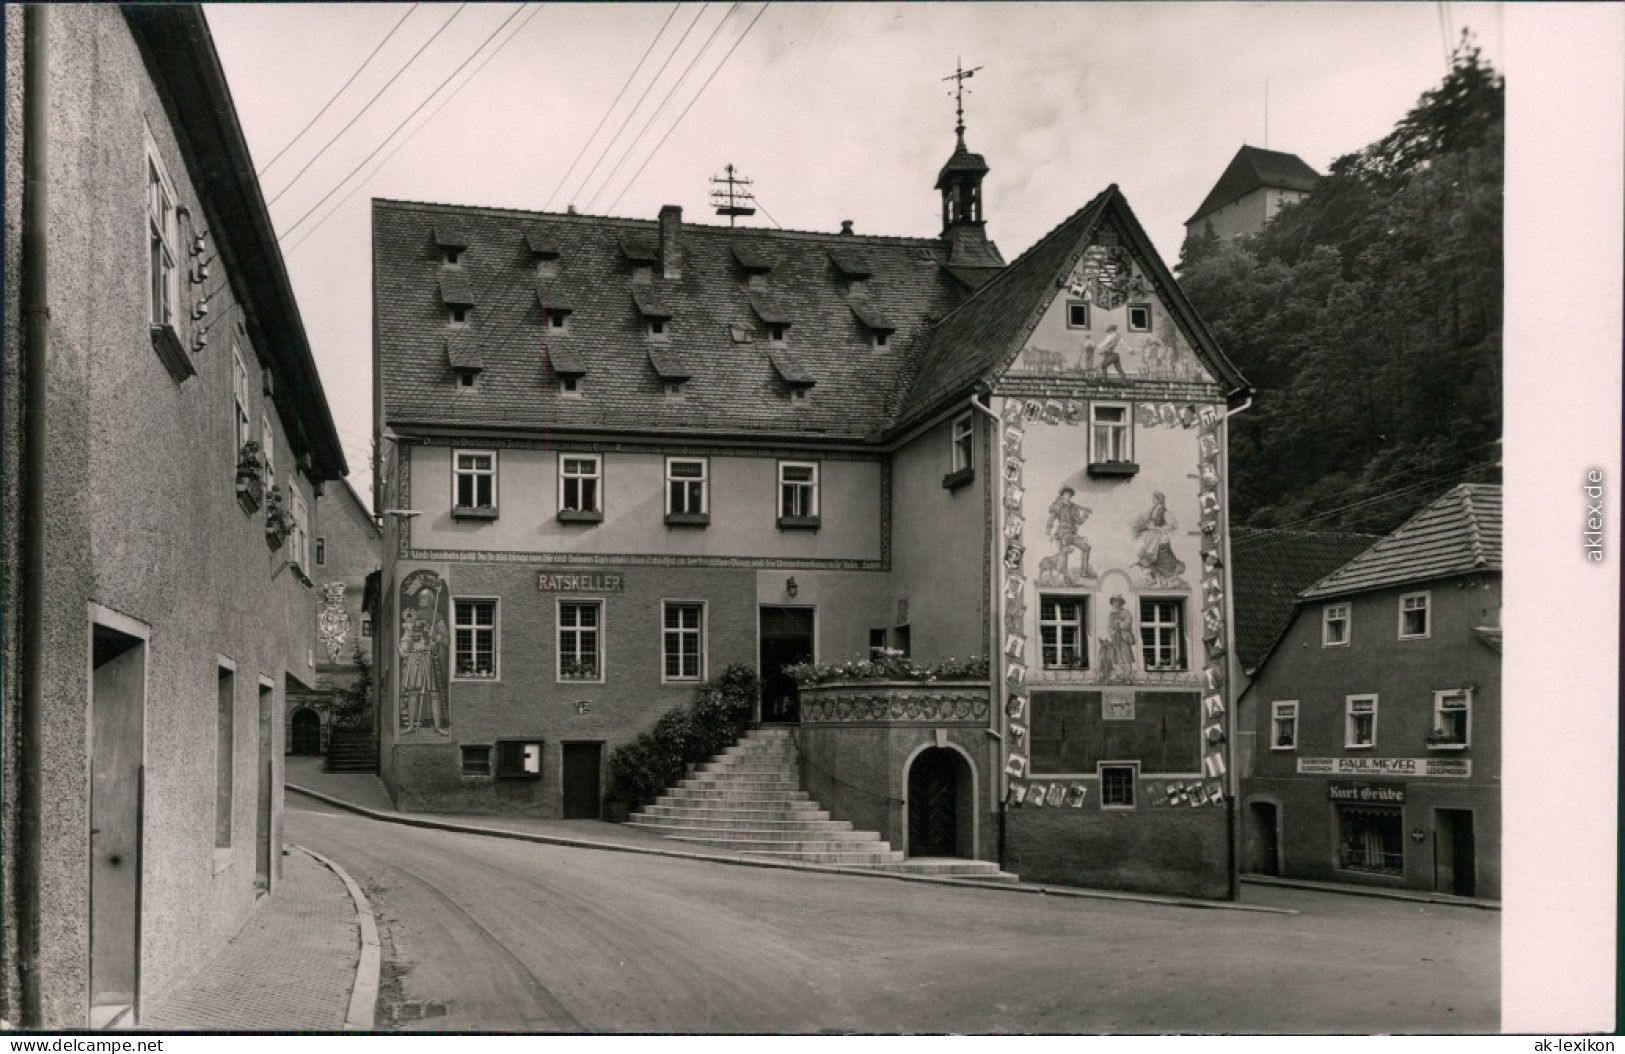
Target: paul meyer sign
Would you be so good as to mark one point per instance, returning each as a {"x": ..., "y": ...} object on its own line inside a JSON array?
[
  {"x": 580, "y": 581},
  {"x": 1452, "y": 767}
]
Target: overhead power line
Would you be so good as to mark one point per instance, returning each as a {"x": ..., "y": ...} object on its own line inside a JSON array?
[
  {"x": 408, "y": 118},
  {"x": 426, "y": 122},
  {"x": 337, "y": 135},
  {"x": 630, "y": 77},
  {"x": 671, "y": 93},
  {"x": 387, "y": 36},
  {"x": 628, "y": 118},
  {"x": 689, "y": 107}
]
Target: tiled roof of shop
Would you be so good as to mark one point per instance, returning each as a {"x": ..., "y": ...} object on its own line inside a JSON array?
[
  {"x": 1269, "y": 568},
  {"x": 1459, "y": 533},
  {"x": 1252, "y": 168},
  {"x": 735, "y": 388}
]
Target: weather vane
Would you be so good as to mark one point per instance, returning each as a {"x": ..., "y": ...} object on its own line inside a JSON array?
[
  {"x": 731, "y": 195},
  {"x": 960, "y": 76}
]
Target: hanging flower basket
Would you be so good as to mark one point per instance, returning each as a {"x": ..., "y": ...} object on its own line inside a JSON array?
[
  {"x": 278, "y": 522},
  {"x": 250, "y": 477}
]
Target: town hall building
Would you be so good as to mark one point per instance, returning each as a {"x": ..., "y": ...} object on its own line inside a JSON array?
[{"x": 620, "y": 455}]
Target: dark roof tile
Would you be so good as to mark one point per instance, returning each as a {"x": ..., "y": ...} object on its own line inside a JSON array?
[
  {"x": 852, "y": 263},
  {"x": 555, "y": 297},
  {"x": 669, "y": 365},
  {"x": 873, "y": 317},
  {"x": 753, "y": 257},
  {"x": 1252, "y": 168},
  {"x": 1457, "y": 534},
  {"x": 793, "y": 372},
  {"x": 450, "y": 234},
  {"x": 463, "y": 353},
  {"x": 1269, "y": 568},
  {"x": 770, "y": 309},
  {"x": 566, "y": 361},
  {"x": 640, "y": 248},
  {"x": 651, "y": 302},
  {"x": 455, "y": 291},
  {"x": 543, "y": 242}
]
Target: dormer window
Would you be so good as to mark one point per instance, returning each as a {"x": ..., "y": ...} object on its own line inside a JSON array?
[
  {"x": 657, "y": 328},
  {"x": 459, "y": 316},
  {"x": 457, "y": 298},
  {"x": 777, "y": 334},
  {"x": 570, "y": 386},
  {"x": 453, "y": 257},
  {"x": 882, "y": 340},
  {"x": 466, "y": 380},
  {"x": 674, "y": 390},
  {"x": 569, "y": 366},
  {"x": 452, "y": 241},
  {"x": 558, "y": 320},
  {"x": 643, "y": 274},
  {"x": 544, "y": 249},
  {"x": 798, "y": 395}
]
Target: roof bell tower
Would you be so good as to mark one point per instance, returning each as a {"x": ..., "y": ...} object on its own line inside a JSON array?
[{"x": 971, "y": 256}]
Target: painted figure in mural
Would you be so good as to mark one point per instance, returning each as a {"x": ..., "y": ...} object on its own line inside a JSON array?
[
  {"x": 424, "y": 641},
  {"x": 1066, "y": 518},
  {"x": 1156, "y": 357},
  {"x": 1153, "y": 534},
  {"x": 1087, "y": 363},
  {"x": 1117, "y": 646},
  {"x": 1108, "y": 353}
]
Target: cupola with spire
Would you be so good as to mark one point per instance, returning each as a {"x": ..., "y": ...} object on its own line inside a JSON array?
[{"x": 971, "y": 257}]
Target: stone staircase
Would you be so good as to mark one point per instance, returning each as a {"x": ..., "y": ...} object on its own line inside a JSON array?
[
  {"x": 352, "y": 752},
  {"x": 748, "y": 799}
]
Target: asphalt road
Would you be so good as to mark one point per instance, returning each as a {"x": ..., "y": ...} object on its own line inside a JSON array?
[{"x": 495, "y": 935}]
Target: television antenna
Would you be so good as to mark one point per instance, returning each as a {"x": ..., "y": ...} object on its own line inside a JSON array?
[{"x": 731, "y": 195}]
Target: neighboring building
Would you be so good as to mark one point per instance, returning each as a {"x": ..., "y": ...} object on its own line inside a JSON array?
[
  {"x": 1378, "y": 714},
  {"x": 1270, "y": 568},
  {"x": 1251, "y": 191},
  {"x": 345, "y": 553},
  {"x": 142, "y": 767},
  {"x": 619, "y": 455}
]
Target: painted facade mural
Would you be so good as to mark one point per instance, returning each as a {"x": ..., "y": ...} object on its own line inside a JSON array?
[
  {"x": 425, "y": 644},
  {"x": 1109, "y": 327},
  {"x": 332, "y": 621}
]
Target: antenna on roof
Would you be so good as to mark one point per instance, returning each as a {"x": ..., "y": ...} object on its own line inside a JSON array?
[
  {"x": 960, "y": 76},
  {"x": 731, "y": 195}
]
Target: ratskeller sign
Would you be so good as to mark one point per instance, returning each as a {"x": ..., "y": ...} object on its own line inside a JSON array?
[{"x": 580, "y": 581}]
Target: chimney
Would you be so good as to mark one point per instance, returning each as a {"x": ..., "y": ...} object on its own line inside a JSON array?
[
  {"x": 671, "y": 249},
  {"x": 846, "y": 226}
]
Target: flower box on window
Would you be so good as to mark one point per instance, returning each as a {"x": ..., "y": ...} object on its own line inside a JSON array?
[
  {"x": 578, "y": 671},
  {"x": 250, "y": 477},
  {"x": 474, "y": 512},
  {"x": 278, "y": 520}
]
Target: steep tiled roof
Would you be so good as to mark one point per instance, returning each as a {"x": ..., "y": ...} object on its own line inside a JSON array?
[
  {"x": 735, "y": 388},
  {"x": 1457, "y": 534},
  {"x": 670, "y": 365},
  {"x": 463, "y": 354},
  {"x": 790, "y": 368},
  {"x": 1252, "y": 168},
  {"x": 651, "y": 302},
  {"x": 455, "y": 291},
  {"x": 1267, "y": 571}
]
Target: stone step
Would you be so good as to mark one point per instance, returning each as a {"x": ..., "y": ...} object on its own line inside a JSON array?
[
  {"x": 791, "y": 844},
  {"x": 756, "y": 835},
  {"x": 743, "y": 783},
  {"x": 713, "y": 797},
  {"x": 695, "y": 818},
  {"x": 950, "y": 868},
  {"x": 787, "y": 811},
  {"x": 744, "y": 768},
  {"x": 817, "y": 856}
]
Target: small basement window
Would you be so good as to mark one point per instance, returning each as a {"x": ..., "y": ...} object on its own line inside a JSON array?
[
  {"x": 476, "y": 760},
  {"x": 1139, "y": 318},
  {"x": 519, "y": 759}
]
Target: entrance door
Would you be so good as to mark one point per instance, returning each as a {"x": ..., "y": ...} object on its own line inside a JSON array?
[
  {"x": 118, "y": 702},
  {"x": 582, "y": 770},
  {"x": 305, "y": 737},
  {"x": 932, "y": 803},
  {"x": 262, "y": 804},
  {"x": 787, "y": 638},
  {"x": 1264, "y": 839},
  {"x": 1454, "y": 864}
]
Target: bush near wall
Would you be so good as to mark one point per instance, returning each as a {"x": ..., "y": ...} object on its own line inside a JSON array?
[{"x": 642, "y": 770}]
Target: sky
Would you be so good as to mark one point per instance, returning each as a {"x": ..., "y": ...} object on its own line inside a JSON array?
[
  {"x": 840, "y": 111},
  {"x": 834, "y": 111}
]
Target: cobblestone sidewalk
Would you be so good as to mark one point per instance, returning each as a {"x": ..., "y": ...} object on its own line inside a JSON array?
[{"x": 290, "y": 969}]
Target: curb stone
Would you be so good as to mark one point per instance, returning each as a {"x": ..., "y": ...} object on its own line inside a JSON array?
[
  {"x": 364, "y": 993},
  {"x": 827, "y": 869}
]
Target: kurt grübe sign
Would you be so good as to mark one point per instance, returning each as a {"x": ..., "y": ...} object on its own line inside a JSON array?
[{"x": 1339, "y": 790}]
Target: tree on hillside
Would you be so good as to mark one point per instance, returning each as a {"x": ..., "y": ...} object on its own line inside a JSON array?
[{"x": 1368, "y": 317}]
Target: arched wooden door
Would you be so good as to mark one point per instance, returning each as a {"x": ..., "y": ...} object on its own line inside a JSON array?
[
  {"x": 305, "y": 735},
  {"x": 933, "y": 797}
]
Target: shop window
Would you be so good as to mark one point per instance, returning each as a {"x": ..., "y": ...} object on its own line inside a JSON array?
[
  {"x": 580, "y": 640},
  {"x": 476, "y": 760},
  {"x": 1360, "y": 727},
  {"x": 1111, "y": 440},
  {"x": 1139, "y": 318},
  {"x": 580, "y": 488},
  {"x": 1284, "y": 725},
  {"x": 1413, "y": 616},
  {"x": 687, "y": 491},
  {"x": 1452, "y": 719},
  {"x": 1077, "y": 315},
  {"x": 1162, "y": 633},
  {"x": 519, "y": 759},
  {"x": 798, "y": 494},
  {"x": 1335, "y": 622},
  {"x": 475, "y": 473},
  {"x": 683, "y": 642},
  {"x": 1371, "y": 838},
  {"x": 474, "y": 639},
  {"x": 1063, "y": 632},
  {"x": 1117, "y": 786}
]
